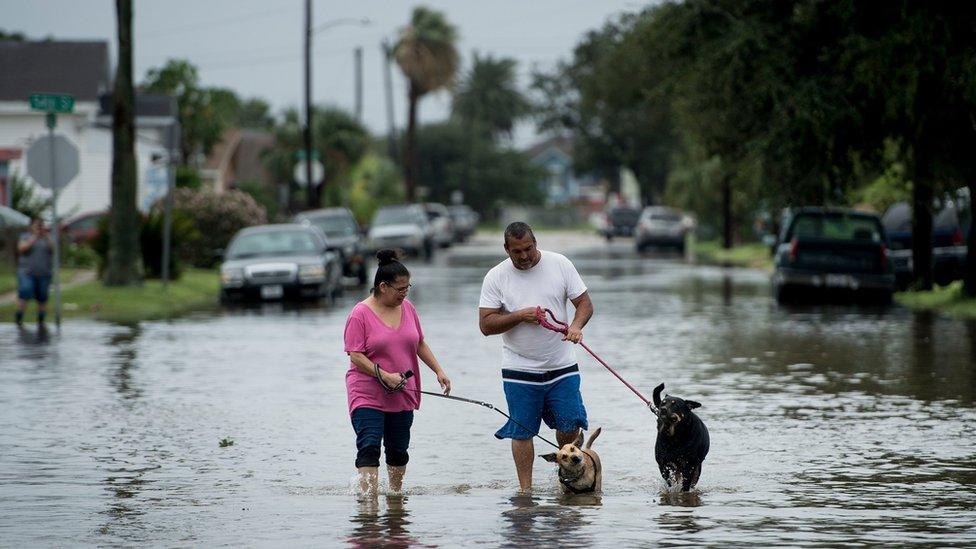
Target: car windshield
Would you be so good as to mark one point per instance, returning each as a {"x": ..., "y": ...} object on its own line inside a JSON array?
[
  {"x": 624, "y": 215},
  {"x": 836, "y": 227},
  {"x": 395, "y": 216},
  {"x": 272, "y": 243},
  {"x": 333, "y": 225}
]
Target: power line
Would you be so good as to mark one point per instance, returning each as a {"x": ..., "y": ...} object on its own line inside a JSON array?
[{"x": 210, "y": 24}]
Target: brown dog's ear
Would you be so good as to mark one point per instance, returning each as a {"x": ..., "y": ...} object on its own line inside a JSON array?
[
  {"x": 550, "y": 457},
  {"x": 692, "y": 404},
  {"x": 579, "y": 440}
]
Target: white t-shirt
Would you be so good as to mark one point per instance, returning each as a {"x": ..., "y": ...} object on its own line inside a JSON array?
[{"x": 549, "y": 284}]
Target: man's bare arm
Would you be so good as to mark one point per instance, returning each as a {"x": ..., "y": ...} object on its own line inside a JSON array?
[
  {"x": 494, "y": 321},
  {"x": 584, "y": 310}
]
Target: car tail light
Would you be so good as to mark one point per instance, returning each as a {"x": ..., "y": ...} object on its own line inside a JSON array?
[
  {"x": 884, "y": 256},
  {"x": 957, "y": 239},
  {"x": 794, "y": 249}
]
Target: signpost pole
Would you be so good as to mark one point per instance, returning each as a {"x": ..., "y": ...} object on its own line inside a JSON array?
[{"x": 51, "y": 122}]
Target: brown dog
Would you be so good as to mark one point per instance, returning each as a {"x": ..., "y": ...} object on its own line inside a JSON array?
[{"x": 580, "y": 471}]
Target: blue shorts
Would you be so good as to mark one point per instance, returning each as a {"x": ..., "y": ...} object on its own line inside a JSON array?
[
  {"x": 551, "y": 396},
  {"x": 374, "y": 426},
  {"x": 33, "y": 287}
]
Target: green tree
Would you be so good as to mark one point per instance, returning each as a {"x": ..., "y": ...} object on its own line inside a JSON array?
[
  {"x": 497, "y": 174},
  {"x": 12, "y": 36},
  {"x": 123, "y": 268},
  {"x": 25, "y": 199},
  {"x": 612, "y": 97},
  {"x": 255, "y": 113},
  {"x": 340, "y": 140},
  {"x": 487, "y": 99},
  {"x": 204, "y": 113},
  {"x": 427, "y": 55}
]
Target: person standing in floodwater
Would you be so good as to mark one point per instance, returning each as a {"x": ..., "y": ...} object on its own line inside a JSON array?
[
  {"x": 539, "y": 370},
  {"x": 35, "y": 252},
  {"x": 383, "y": 339}
]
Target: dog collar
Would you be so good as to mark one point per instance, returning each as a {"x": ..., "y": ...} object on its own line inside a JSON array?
[{"x": 567, "y": 482}]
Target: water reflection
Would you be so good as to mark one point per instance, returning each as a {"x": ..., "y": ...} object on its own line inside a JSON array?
[
  {"x": 39, "y": 337},
  {"x": 375, "y": 529},
  {"x": 532, "y": 522},
  {"x": 125, "y": 350},
  {"x": 681, "y": 499}
]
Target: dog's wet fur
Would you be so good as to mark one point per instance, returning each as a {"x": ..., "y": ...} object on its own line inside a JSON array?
[
  {"x": 580, "y": 470},
  {"x": 682, "y": 440}
]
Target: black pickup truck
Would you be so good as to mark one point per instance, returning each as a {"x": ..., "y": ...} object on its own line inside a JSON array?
[{"x": 839, "y": 252}]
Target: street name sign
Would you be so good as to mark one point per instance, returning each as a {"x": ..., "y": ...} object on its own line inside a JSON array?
[{"x": 52, "y": 102}]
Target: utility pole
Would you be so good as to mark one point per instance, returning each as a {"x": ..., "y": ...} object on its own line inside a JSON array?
[
  {"x": 358, "y": 55},
  {"x": 310, "y": 194},
  {"x": 388, "y": 86}
]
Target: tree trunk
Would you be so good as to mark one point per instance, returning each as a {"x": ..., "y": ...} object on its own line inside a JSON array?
[
  {"x": 969, "y": 270},
  {"x": 727, "y": 212},
  {"x": 124, "y": 258},
  {"x": 921, "y": 222},
  {"x": 410, "y": 168}
]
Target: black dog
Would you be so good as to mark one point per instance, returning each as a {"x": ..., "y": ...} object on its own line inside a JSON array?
[{"x": 682, "y": 440}]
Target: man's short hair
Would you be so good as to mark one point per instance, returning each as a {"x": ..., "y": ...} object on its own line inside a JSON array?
[{"x": 517, "y": 230}]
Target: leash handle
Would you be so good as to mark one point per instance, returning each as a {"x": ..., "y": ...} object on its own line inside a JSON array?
[{"x": 561, "y": 327}]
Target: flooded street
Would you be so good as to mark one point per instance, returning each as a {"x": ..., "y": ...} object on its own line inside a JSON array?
[{"x": 829, "y": 425}]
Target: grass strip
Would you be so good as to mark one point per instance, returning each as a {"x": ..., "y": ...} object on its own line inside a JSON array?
[
  {"x": 944, "y": 299},
  {"x": 197, "y": 289}
]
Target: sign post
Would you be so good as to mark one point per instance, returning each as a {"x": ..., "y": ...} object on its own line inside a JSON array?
[{"x": 53, "y": 162}]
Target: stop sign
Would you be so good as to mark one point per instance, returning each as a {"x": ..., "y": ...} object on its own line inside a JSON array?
[{"x": 65, "y": 162}]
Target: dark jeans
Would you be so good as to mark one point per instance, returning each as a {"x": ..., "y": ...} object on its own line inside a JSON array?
[{"x": 374, "y": 426}]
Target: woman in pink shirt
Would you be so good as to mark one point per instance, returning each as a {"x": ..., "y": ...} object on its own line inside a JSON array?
[{"x": 383, "y": 339}]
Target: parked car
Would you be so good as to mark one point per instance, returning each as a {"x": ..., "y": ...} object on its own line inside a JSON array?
[
  {"x": 832, "y": 250},
  {"x": 344, "y": 237},
  {"x": 662, "y": 226},
  {"x": 440, "y": 221},
  {"x": 284, "y": 261},
  {"x": 619, "y": 221},
  {"x": 83, "y": 228},
  {"x": 404, "y": 227},
  {"x": 950, "y": 225},
  {"x": 465, "y": 221}
]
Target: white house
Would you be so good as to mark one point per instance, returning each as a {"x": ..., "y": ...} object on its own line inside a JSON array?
[{"x": 80, "y": 69}]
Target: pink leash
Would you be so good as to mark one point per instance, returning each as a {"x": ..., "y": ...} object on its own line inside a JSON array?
[{"x": 561, "y": 327}]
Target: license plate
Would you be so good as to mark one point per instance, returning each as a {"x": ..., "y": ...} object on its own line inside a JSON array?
[
  {"x": 272, "y": 292},
  {"x": 839, "y": 281}
]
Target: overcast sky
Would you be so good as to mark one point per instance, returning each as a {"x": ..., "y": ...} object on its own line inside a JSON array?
[{"x": 255, "y": 46}]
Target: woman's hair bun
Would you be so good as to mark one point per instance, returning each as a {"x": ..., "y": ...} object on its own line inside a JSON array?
[{"x": 385, "y": 257}]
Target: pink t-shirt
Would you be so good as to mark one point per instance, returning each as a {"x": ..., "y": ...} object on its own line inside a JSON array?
[{"x": 393, "y": 350}]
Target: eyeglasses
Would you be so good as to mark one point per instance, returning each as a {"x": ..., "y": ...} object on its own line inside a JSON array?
[{"x": 402, "y": 290}]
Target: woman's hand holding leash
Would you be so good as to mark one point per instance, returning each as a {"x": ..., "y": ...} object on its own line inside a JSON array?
[{"x": 391, "y": 382}]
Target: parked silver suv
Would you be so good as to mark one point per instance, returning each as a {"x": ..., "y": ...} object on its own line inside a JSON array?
[{"x": 404, "y": 227}]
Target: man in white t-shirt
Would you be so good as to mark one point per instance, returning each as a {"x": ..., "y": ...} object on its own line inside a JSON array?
[{"x": 539, "y": 369}]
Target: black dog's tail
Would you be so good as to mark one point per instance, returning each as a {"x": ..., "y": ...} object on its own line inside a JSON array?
[{"x": 657, "y": 395}]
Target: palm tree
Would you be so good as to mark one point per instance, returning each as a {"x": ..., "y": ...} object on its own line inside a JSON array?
[
  {"x": 428, "y": 58},
  {"x": 124, "y": 257},
  {"x": 488, "y": 100}
]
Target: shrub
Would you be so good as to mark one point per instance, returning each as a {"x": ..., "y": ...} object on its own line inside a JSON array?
[
  {"x": 183, "y": 233},
  {"x": 217, "y": 218},
  {"x": 151, "y": 227}
]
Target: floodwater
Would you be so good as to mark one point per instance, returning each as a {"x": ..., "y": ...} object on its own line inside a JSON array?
[{"x": 829, "y": 425}]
